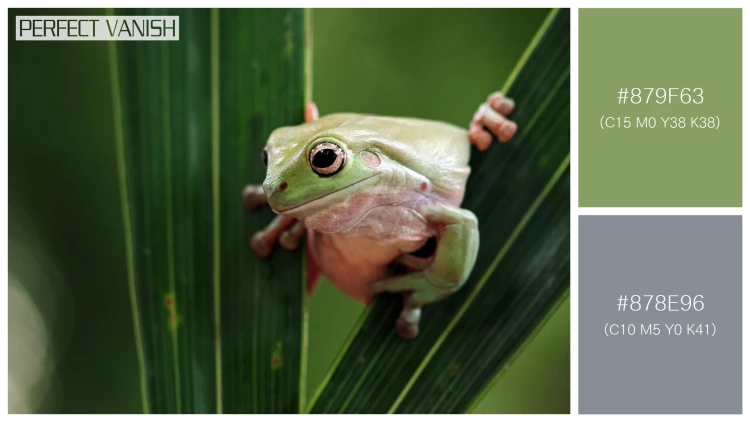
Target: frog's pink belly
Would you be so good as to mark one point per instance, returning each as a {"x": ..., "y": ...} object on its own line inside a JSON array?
[
  {"x": 355, "y": 243},
  {"x": 352, "y": 263}
]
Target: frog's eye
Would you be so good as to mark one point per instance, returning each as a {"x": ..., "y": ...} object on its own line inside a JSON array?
[
  {"x": 326, "y": 159},
  {"x": 264, "y": 157}
]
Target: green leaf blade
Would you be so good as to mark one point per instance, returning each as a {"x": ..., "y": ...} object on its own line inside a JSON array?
[
  {"x": 262, "y": 88},
  {"x": 535, "y": 273},
  {"x": 217, "y": 329},
  {"x": 509, "y": 191}
]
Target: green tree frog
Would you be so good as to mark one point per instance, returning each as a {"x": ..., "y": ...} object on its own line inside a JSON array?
[{"x": 372, "y": 193}]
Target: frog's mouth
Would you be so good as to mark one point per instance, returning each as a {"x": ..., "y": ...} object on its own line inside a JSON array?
[{"x": 287, "y": 210}]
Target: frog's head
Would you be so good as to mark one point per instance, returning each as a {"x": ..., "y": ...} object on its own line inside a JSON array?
[{"x": 310, "y": 170}]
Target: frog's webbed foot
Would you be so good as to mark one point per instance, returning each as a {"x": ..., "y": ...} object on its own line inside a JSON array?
[
  {"x": 286, "y": 230},
  {"x": 492, "y": 115}
]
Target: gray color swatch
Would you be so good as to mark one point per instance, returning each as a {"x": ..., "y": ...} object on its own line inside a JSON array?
[{"x": 651, "y": 368}]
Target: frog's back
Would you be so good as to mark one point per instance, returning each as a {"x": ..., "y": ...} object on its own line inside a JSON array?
[{"x": 436, "y": 150}]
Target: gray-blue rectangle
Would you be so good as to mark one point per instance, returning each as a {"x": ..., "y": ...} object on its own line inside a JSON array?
[{"x": 660, "y": 314}]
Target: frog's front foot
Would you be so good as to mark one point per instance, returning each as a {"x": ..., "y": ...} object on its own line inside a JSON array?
[
  {"x": 492, "y": 115},
  {"x": 253, "y": 197},
  {"x": 286, "y": 230},
  {"x": 311, "y": 112}
]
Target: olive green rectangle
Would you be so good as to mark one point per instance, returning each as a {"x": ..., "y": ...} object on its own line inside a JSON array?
[{"x": 642, "y": 161}]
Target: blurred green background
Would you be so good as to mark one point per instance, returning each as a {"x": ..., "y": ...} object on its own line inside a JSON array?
[{"x": 71, "y": 346}]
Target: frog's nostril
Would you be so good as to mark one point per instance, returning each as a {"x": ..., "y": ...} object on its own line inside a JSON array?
[{"x": 283, "y": 186}]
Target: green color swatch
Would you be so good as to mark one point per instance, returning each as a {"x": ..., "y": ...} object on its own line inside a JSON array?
[{"x": 674, "y": 138}]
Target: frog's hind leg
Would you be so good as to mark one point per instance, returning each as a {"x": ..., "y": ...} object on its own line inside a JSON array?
[
  {"x": 407, "y": 324},
  {"x": 419, "y": 259},
  {"x": 413, "y": 263},
  {"x": 492, "y": 115},
  {"x": 454, "y": 258}
]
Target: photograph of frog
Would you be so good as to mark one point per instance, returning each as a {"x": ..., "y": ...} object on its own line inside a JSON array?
[{"x": 293, "y": 211}]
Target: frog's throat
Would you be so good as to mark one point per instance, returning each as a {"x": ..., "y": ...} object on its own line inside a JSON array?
[{"x": 286, "y": 211}]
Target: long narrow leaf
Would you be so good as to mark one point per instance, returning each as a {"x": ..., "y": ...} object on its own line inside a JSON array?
[
  {"x": 217, "y": 330},
  {"x": 520, "y": 194}
]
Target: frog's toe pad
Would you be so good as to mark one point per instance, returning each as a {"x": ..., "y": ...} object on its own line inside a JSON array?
[
  {"x": 290, "y": 238},
  {"x": 505, "y": 132},
  {"x": 253, "y": 197},
  {"x": 407, "y": 330},
  {"x": 289, "y": 241},
  {"x": 311, "y": 112},
  {"x": 260, "y": 245},
  {"x": 501, "y": 103},
  {"x": 480, "y": 137}
]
